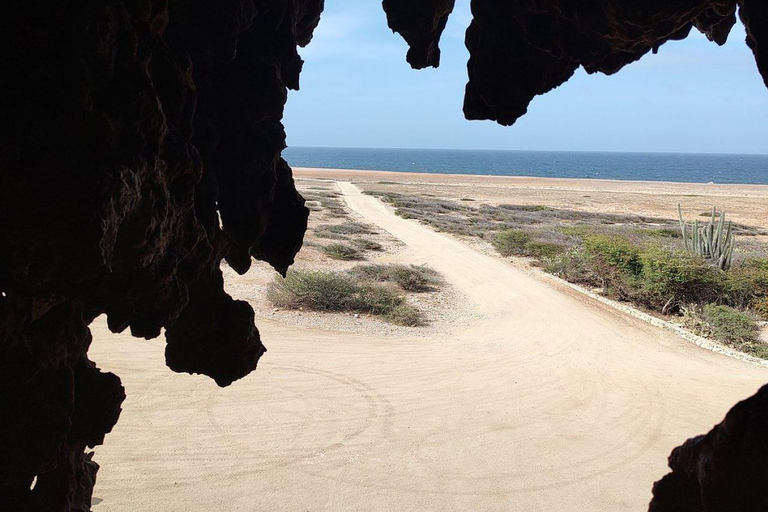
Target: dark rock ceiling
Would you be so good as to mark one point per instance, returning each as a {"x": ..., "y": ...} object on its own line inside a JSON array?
[{"x": 141, "y": 147}]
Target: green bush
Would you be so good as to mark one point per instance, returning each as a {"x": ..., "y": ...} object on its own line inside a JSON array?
[
  {"x": 346, "y": 228},
  {"x": 378, "y": 299},
  {"x": 406, "y": 315},
  {"x": 760, "y": 307},
  {"x": 511, "y": 242},
  {"x": 412, "y": 278},
  {"x": 757, "y": 349},
  {"x": 336, "y": 292},
  {"x": 318, "y": 291},
  {"x": 578, "y": 231},
  {"x": 324, "y": 233},
  {"x": 544, "y": 250},
  {"x": 342, "y": 252},
  {"x": 615, "y": 251},
  {"x": 662, "y": 232},
  {"x": 573, "y": 265},
  {"x": 525, "y": 207},
  {"x": 672, "y": 277},
  {"x": 731, "y": 326},
  {"x": 746, "y": 285}
]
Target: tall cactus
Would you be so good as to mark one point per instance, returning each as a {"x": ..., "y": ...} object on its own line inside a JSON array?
[{"x": 713, "y": 241}]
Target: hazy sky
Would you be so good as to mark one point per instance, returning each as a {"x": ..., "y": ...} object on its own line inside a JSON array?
[{"x": 358, "y": 91}]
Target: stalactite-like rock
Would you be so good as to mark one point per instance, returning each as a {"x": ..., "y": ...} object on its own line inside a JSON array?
[
  {"x": 421, "y": 24},
  {"x": 141, "y": 147},
  {"x": 132, "y": 127},
  {"x": 523, "y": 48}
]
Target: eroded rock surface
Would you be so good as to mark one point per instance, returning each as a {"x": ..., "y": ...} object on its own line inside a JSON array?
[
  {"x": 141, "y": 146},
  {"x": 523, "y": 48}
]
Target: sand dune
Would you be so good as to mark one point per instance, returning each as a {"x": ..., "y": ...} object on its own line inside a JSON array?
[{"x": 550, "y": 402}]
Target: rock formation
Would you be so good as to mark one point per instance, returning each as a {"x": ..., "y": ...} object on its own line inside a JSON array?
[
  {"x": 142, "y": 147},
  {"x": 723, "y": 471},
  {"x": 523, "y": 48}
]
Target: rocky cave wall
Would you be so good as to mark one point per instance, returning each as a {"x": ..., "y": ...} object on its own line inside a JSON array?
[{"x": 142, "y": 147}]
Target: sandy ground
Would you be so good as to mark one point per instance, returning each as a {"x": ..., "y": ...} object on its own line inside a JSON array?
[
  {"x": 547, "y": 401},
  {"x": 747, "y": 204}
]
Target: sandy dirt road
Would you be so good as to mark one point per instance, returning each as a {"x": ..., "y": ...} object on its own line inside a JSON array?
[{"x": 551, "y": 402}]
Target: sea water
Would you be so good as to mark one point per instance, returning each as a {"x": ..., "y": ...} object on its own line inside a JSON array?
[{"x": 679, "y": 167}]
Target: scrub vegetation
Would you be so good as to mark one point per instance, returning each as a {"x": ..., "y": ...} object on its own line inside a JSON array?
[
  {"x": 719, "y": 290},
  {"x": 374, "y": 289}
]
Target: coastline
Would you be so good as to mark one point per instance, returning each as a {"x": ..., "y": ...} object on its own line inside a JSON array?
[
  {"x": 743, "y": 203},
  {"x": 523, "y": 181}
]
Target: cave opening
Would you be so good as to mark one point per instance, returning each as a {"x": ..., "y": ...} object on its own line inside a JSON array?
[{"x": 143, "y": 175}]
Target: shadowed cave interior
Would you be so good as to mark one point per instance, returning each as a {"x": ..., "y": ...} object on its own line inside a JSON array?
[{"x": 142, "y": 147}]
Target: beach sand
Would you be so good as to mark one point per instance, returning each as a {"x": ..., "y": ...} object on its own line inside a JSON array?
[
  {"x": 523, "y": 396},
  {"x": 746, "y": 204}
]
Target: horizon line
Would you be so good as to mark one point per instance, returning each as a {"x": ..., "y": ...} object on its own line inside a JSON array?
[{"x": 534, "y": 150}]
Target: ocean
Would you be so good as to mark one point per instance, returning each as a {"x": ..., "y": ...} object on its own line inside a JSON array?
[{"x": 679, "y": 167}]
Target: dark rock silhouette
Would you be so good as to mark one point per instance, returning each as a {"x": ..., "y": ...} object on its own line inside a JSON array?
[
  {"x": 724, "y": 470},
  {"x": 421, "y": 24},
  {"x": 141, "y": 147}
]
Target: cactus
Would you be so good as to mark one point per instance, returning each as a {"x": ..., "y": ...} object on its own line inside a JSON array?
[{"x": 714, "y": 241}]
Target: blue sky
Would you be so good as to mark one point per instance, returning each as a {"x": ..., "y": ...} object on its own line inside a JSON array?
[{"x": 358, "y": 91}]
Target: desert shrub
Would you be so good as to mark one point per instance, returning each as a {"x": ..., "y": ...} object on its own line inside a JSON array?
[
  {"x": 672, "y": 277},
  {"x": 543, "y": 250},
  {"x": 385, "y": 302},
  {"x": 756, "y": 348},
  {"x": 367, "y": 245},
  {"x": 324, "y": 233},
  {"x": 615, "y": 251},
  {"x": 378, "y": 299},
  {"x": 524, "y": 207},
  {"x": 337, "y": 212},
  {"x": 324, "y": 193},
  {"x": 342, "y": 252},
  {"x": 406, "y": 315},
  {"x": 412, "y": 278},
  {"x": 573, "y": 266},
  {"x": 692, "y": 318},
  {"x": 662, "y": 232},
  {"x": 730, "y": 325},
  {"x": 318, "y": 291},
  {"x": 760, "y": 307},
  {"x": 326, "y": 200},
  {"x": 578, "y": 233},
  {"x": 346, "y": 228},
  {"x": 746, "y": 285},
  {"x": 335, "y": 292},
  {"x": 415, "y": 278},
  {"x": 511, "y": 242}
]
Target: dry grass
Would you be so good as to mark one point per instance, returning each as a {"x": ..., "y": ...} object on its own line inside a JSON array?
[
  {"x": 338, "y": 251},
  {"x": 346, "y": 228},
  {"x": 412, "y": 278},
  {"x": 340, "y": 292}
]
